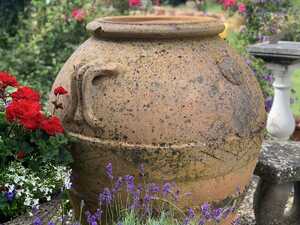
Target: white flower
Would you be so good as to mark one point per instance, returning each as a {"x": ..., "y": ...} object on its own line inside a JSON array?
[
  {"x": 11, "y": 188},
  {"x": 33, "y": 186}
]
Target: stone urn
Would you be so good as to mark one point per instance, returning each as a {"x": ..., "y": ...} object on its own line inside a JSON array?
[{"x": 168, "y": 93}]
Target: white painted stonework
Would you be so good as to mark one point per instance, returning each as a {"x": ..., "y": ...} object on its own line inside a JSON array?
[{"x": 281, "y": 122}]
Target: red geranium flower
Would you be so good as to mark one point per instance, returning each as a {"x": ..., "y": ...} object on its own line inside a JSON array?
[
  {"x": 229, "y": 3},
  {"x": 78, "y": 14},
  {"x": 134, "y": 3},
  {"x": 26, "y": 93},
  {"x": 24, "y": 111},
  {"x": 52, "y": 125},
  {"x": 21, "y": 154},
  {"x": 32, "y": 123},
  {"x": 7, "y": 79},
  {"x": 60, "y": 91}
]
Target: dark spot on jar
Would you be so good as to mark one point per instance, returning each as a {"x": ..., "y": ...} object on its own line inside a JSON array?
[
  {"x": 199, "y": 79},
  {"x": 213, "y": 91},
  {"x": 187, "y": 121}
]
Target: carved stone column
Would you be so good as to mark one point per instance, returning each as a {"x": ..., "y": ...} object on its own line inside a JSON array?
[{"x": 281, "y": 122}]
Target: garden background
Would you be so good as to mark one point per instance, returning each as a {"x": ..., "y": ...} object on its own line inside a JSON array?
[{"x": 38, "y": 36}]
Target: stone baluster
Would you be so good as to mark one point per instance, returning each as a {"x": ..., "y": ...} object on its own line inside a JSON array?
[
  {"x": 282, "y": 57},
  {"x": 281, "y": 122}
]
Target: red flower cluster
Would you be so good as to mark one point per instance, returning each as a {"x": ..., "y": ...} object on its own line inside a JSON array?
[
  {"x": 25, "y": 108},
  {"x": 26, "y": 93},
  {"x": 134, "y": 3},
  {"x": 26, "y": 112},
  {"x": 241, "y": 7},
  {"x": 7, "y": 80},
  {"x": 78, "y": 14},
  {"x": 20, "y": 155},
  {"x": 52, "y": 125}
]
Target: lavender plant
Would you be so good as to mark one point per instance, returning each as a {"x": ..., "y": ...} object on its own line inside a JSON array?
[{"x": 146, "y": 203}]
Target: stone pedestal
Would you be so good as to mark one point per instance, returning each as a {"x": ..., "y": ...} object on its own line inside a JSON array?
[
  {"x": 282, "y": 59},
  {"x": 279, "y": 172}
]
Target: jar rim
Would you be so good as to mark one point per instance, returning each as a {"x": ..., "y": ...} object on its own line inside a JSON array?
[{"x": 155, "y": 26}]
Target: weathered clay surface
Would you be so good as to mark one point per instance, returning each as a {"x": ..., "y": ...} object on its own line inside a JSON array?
[{"x": 184, "y": 104}]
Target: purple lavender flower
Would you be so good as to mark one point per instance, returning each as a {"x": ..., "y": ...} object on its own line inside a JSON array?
[
  {"x": 190, "y": 216},
  {"x": 10, "y": 195},
  {"x": 153, "y": 188},
  {"x": 268, "y": 78},
  {"x": 98, "y": 214},
  {"x": 37, "y": 221},
  {"x": 88, "y": 214},
  {"x": 135, "y": 200},
  {"x": 217, "y": 214},
  {"x": 105, "y": 197},
  {"x": 119, "y": 223},
  {"x": 202, "y": 221},
  {"x": 206, "y": 211},
  {"x": 51, "y": 223},
  {"x": 166, "y": 189},
  {"x": 268, "y": 103},
  {"x": 109, "y": 171},
  {"x": 147, "y": 200},
  {"x": 117, "y": 185},
  {"x": 186, "y": 221},
  {"x": 130, "y": 183},
  {"x": 92, "y": 219},
  {"x": 140, "y": 187},
  {"x": 191, "y": 213}
]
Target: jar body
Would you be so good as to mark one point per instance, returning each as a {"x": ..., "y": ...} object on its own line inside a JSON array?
[{"x": 190, "y": 110}]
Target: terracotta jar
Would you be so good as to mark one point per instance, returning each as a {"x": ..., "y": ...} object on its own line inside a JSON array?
[{"x": 168, "y": 93}]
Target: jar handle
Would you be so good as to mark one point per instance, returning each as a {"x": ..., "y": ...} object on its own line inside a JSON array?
[
  {"x": 85, "y": 77},
  {"x": 230, "y": 71}
]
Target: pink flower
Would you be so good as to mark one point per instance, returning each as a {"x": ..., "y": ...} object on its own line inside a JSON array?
[
  {"x": 78, "y": 14},
  {"x": 134, "y": 3},
  {"x": 242, "y": 8},
  {"x": 229, "y": 3}
]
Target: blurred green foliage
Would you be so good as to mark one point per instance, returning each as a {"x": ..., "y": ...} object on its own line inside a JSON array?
[
  {"x": 45, "y": 36},
  {"x": 9, "y": 14}
]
